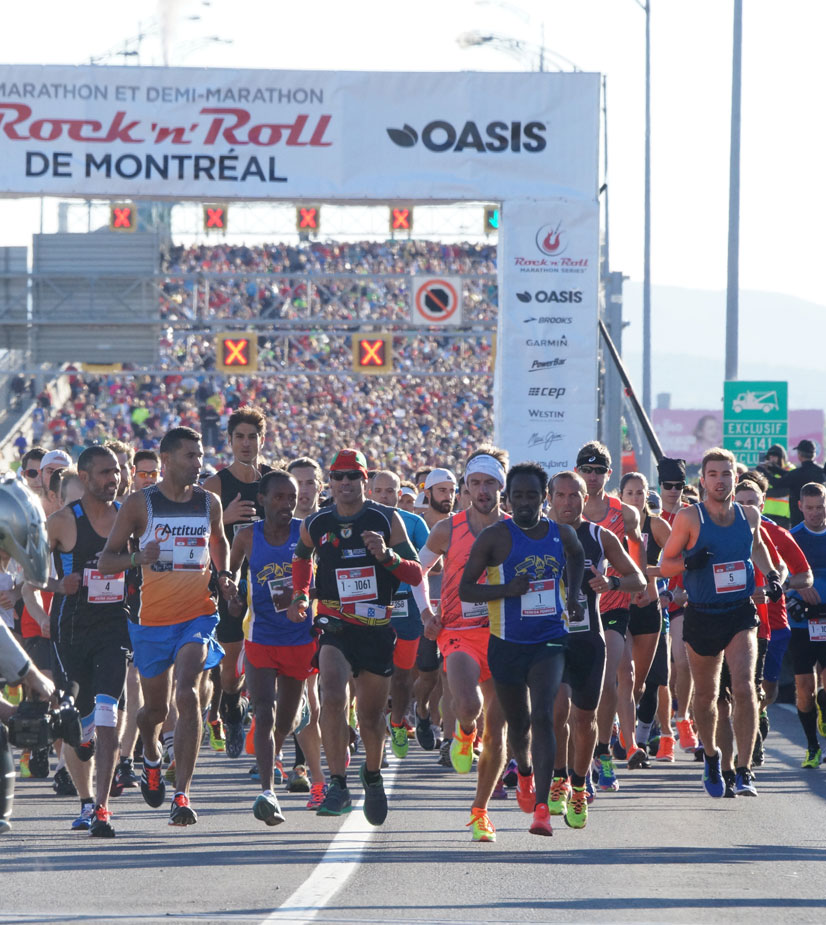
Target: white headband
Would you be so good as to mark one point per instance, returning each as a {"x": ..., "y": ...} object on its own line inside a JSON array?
[{"x": 486, "y": 465}]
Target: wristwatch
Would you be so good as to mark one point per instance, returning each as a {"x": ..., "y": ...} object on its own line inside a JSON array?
[{"x": 615, "y": 582}]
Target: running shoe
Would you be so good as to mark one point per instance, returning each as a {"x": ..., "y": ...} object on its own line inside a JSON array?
[
  {"x": 181, "y": 813},
  {"x": 444, "y": 754},
  {"x": 526, "y": 793},
  {"x": 607, "y": 778},
  {"x": 757, "y": 754},
  {"x": 461, "y": 750},
  {"x": 255, "y": 775},
  {"x": 249, "y": 741},
  {"x": 101, "y": 827},
  {"x": 25, "y": 769},
  {"x": 500, "y": 791},
  {"x": 685, "y": 733},
  {"x": 39, "y": 763},
  {"x": 541, "y": 822},
  {"x": 297, "y": 780},
  {"x": 115, "y": 788},
  {"x": 169, "y": 773},
  {"x": 729, "y": 779},
  {"x": 638, "y": 759},
  {"x": 424, "y": 734},
  {"x": 558, "y": 797},
  {"x": 744, "y": 783},
  {"x": 576, "y": 812},
  {"x": 266, "y": 808},
  {"x": 14, "y": 694},
  {"x": 590, "y": 793},
  {"x": 235, "y": 734},
  {"x": 5, "y": 827},
  {"x": 125, "y": 775},
  {"x": 63, "y": 785},
  {"x": 481, "y": 827},
  {"x": 375, "y": 799},
  {"x": 278, "y": 775},
  {"x": 812, "y": 759},
  {"x": 398, "y": 739},
  {"x": 618, "y": 749},
  {"x": 153, "y": 787},
  {"x": 217, "y": 739},
  {"x": 764, "y": 724},
  {"x": 317, "y": 794},
  {"x": 510, "y": 776},
  {"x": 85, "y": 750},
  {"x": 665, "y": 752},
  {"x": 712, "y": 775},
  {"x": 84, "y": 821},
  {"x": 821, "y": 716},
  {"x": 337, "y": 801}
]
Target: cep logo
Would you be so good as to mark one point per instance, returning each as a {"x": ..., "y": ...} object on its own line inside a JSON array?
[
  {"x": 546, "y": 392},
  {"x": 440, "y": 136},
  {"x": 551, "y": 295}
]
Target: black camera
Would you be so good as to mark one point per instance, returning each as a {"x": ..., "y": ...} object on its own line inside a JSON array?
[{"x": 35, "y": 725}]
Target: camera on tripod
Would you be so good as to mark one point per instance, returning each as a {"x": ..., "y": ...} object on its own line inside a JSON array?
[{"x": 35, "y": 725}]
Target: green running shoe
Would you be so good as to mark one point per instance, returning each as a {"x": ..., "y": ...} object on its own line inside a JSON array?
[
  {"x": 812, "y": 759},
  {"x": 461, "y": 750},
  {"x": 398, "y": 739},
  {"x": 558, "y": 797},
  {"x": 576, "y": 813}
]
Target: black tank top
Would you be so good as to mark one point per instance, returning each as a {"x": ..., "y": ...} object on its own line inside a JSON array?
[
  {"x": 231, "y": 487},
  {"x": 340, "y": 549},
  {"x": 652, "y": 550},
  {"x": 588, "y": 534},
  {"x": 100, "y": 601}
]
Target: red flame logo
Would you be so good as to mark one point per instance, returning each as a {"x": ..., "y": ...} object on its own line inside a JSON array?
[{"x": 551, "y": 242}]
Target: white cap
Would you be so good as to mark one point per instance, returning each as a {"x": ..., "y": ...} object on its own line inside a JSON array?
[
  {"x": 56, "y": 456},
  {"x": 420, "y": 501},
  {"x": 435, "y": 476},
  {"x": 407, "y": 490}
]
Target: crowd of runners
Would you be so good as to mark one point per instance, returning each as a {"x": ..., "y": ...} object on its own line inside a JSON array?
[{"x": 556, "y": 636}]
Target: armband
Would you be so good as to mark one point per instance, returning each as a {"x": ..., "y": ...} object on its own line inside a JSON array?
[
  {"x": 302, "y": 576},
  {"x": 132, "y": 559},
  {"x": 301, "y": 597},
  {"x": 302, "y": 551}
]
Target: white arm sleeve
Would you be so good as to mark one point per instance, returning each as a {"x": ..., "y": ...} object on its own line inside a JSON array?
[
  {"x": 14, "y": 663},
  {"x": 428, "y": 558},
  {"x": 421, "y": 591}
]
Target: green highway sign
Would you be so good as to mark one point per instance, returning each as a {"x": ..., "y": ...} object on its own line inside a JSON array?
[{"x": 755, "y": 416}]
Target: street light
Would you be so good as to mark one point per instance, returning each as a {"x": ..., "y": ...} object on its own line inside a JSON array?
[{"x": 517, "y": 48}]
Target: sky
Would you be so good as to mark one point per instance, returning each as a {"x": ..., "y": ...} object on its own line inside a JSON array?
[{"x": 782, "y": 198}]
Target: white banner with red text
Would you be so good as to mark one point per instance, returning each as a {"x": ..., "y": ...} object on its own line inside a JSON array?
[
  {"x": 187, "y": 133},
  {"x": 545, "y": 377}
]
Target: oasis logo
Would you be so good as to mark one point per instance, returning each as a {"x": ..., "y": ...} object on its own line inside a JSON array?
[
  {"x": 441, "y": 136},
  {"x": 551, "y": 295}
]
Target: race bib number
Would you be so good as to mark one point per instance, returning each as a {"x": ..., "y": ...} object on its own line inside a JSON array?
[
  {"x": 356, "y": 584},
  {"x": 730, "y": 576},
  {"x": 817, "y": 629},
  {"x": 189, "y": 554},
  {"x": 279, "y": 587},
  {"x": 540, "y": 599},
  {"x": 474, "y": 611},
  {"x": 584, "y": 625},
  {"x": 103, "y": 589},
  {"x": 401, "y": 609}
]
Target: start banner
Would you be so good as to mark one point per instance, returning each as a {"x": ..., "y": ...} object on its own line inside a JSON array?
[
  {"x": 209, "y": 134},
  {"x": 545, "y": 380}
]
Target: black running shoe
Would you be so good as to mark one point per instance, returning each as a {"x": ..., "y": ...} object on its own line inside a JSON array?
[
  {"x": 375, "y": 799},
  {"x": 153, "y": 786},
  {"x": 235, "y": 736},
  {"x": 757, "y": 755},
  {"x": 639, "y": 759},
  {"x": 424, "y": 734},
  {"x": 729, "y": 778},
  {"x": 85, "y": 750},
  {"x": 39, "y": 763},
  {"x": 101, "y": 827},
  {"x": 62, "y": 784},
  {"x": 125, "y": 775},
  {"x": 181, "y": 813},
  {"x": 337, "y": 802}
]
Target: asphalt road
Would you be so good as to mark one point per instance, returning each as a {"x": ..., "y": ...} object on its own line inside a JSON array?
[{"x": 659, "y": 850}]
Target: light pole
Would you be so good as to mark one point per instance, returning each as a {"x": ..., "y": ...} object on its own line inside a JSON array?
[
  {"x": 517, "y": 48},
  {"x": 733, "y": 284}
]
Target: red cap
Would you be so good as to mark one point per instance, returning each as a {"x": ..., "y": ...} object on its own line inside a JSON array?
[{"x": 349, "y": 460}]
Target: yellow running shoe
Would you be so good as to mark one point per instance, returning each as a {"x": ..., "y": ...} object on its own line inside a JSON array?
[
  {"x": 576, "y": 814},
  {"x": 217, "y": 740},
  {"x": 481, "y": 827},
  {"x": 14, "y": 694},
  {"x": 169, "y": 773},
  {"x": 558, "y": 797},
  {"x": 461, "y": 750},
  {"x": 25, "y": 770}
]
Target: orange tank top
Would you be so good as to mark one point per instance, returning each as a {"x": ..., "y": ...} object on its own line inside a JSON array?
[{"x": 613, "y": 521}]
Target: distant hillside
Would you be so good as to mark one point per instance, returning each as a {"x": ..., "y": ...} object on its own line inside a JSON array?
[{"x": 688, "y": 356}]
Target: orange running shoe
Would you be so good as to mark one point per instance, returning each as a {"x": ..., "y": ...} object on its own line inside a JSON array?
[
  {"x": 525, "y": 792},
  {"x": 482, "y": 828},
  {"x": 249, "y": 743},
  {"x": 541, "y": 824},
  {"x": 686, "y": 735},
  {"x": 666, "y": 750}
]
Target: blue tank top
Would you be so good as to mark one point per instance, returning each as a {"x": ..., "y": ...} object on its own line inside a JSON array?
[
  {"x": 270, "y": 569},
  {"x": 727, "y": 580},
  {"x": 814, "y": 548},
  {"x": 537, "y": 615},
  {"x": 406, "y": 619}
]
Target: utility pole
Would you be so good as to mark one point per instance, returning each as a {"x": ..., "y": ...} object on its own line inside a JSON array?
[{"x": 733, "y": 285}]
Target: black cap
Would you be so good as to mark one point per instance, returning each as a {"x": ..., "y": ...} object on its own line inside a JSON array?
[
  {"x": 671, "y": 470},
  {"x": 805, "y": 446}
]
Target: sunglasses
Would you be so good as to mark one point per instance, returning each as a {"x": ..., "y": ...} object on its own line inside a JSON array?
[
  {"x": 350, "y": 476},
  {"x": 31, "y": 473},
  {"x": 147, "y": 475},
  {"x": 588, "y": 470},
  {"x": 673, "y": 486}
]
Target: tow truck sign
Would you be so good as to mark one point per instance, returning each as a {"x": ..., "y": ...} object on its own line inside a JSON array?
[{"x": 755, "y": 417}]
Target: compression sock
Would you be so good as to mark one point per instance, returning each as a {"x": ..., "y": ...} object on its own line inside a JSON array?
[
  {"x": 809, "y": 723},
  {"x": 340, "y": 779},
  {"x": 299, "y": 753},
  {"x": 371, "y": 777}
]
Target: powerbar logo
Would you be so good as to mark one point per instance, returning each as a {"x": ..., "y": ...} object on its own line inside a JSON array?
[{"x": 439, "y": 136}]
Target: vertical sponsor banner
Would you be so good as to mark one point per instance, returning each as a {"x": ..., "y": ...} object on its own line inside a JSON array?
[{"x": 545, "y": 379}]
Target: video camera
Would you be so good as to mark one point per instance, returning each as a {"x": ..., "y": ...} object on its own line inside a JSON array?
[{"x": 35, "y": 725}]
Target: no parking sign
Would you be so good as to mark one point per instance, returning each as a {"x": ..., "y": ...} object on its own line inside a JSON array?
[{"x": 437, "y": 300}]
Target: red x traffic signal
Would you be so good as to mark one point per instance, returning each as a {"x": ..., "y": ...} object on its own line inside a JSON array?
[
  {"x": 123, "y": 216},
  {"x": 308, "y": 218},
  {"x": 401, "y": 218},
  {"x": 373, "y": 353},
  {"x": 216, "y": 218},
  {"x": 236, "y": 352}
]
